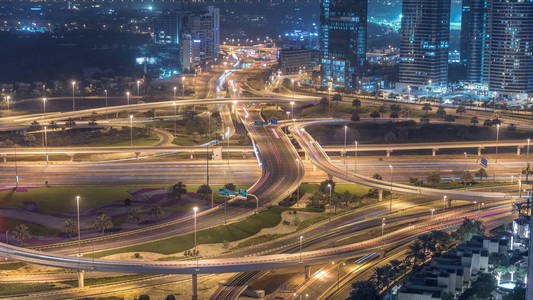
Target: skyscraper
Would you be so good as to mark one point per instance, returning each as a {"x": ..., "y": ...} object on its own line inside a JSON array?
[
  {"x": 424, "y": 44},
  {"x": 509, "y": 57},
  {"x": 343, "y": 30},
  {"x": 474, "y": 27}
]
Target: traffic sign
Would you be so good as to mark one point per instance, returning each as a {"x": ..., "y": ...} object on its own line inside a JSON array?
[
  {"x": 226, "y": 193},
  {"x": 243, "y": 193},
  {"x": 484, "y": 162}
]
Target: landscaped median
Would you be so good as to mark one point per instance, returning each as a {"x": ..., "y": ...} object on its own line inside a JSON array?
[{"x": 219, "y": 234}]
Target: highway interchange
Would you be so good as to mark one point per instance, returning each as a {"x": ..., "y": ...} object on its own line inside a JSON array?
[{"x": 278, "y": 171}]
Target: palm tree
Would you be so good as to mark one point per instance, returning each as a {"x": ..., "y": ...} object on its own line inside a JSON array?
[
  {"x": 527, "y": 171},
  {"x": 474, "y": 121},
  {"x": 178, "y": 189},
  {"x": 427, "y": 243},
  {"x": 156, "y": 211},
  {"x": 382, "y": 276},
  {"x": 364, "y": 290},
  {"x": 136, "y": 215},
  {"x": 467, "y": 178},
  {"x": 415, "y": 252},
  {"x": 441, "y": 112},
  {"x": 394, "y": 115},
  {"x": 481, "y": 173},
  {"x": 230, "y": 186},
  {"x": 427, "y": 108},
  {"x": 22, "y": 232},
  {"x": 375, "y": 114},
  {"x": 460, "y": 110},
  {"x": 70, "y": 227},
  {"x": 103, "y": 223},
  {"x": 441, "y": 240}
]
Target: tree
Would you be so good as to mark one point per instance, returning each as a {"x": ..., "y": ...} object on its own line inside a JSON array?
[
  {"x": 170, "y": 297},
  {"x": 204, "y": 190},
  {"x": 488, "y": 123},
  {"x": 144, "y": 297},
  {"x": 416, "y": 252},
  {"x": 415, "y": 181},
  {"x": 336, "y": 98},
  {"x": 511, "y": 127},
  {"x": 382, "y": 276},
  {"x": 103, "y": 223},
  {"x": 394, "y": 115},
  {"x": 382, "y": 109},
  {"x": 230, "y": 186},
  {"x": 136, "y": 215},
  {"x": 364, "y": 290},
  {"x": 468, "y": 229},
  {"x": 481, "y": 173},
  {"x": 156, "y": 211},
  {"x": 441, "y": 239},
  {"x": 427, "y": 108},
  {"x": 324, "y": 186},
  {"x": 22, "y": 233},
  {"x": 460, "y": 110},
  {"x": 434, "y": 178},
  {"x": 424, "y": 119},
  {"x": 441, "y": 112},
  {"x": 527, "y": 171},
  {"x": 69, "y": 227},
  {"x": 481, "y": 288},
  {"x": 449, "y": 118},
  {"x": 467, "y": 178},
  {"x": 395, "y": 108},
  {"x": 519, "y": 293},
  {"x": 177, "y": 190},
  {"x": 499, "y": 260},
  {"x": 474, "y": 121},
  {"x": 324, "y": 101},
  {"x": 375, "y": 114},
  {"x": 377, "y": 176},
  {"x": 357, "y": 104},
  {"x": 355, "y": 116}
]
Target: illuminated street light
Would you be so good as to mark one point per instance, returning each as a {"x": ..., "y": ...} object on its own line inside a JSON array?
[
  {"x": 105, "y": 92},
  {"x": 345, "y": 151},
  {"x": 138, "y": 86},
  {"x": 292, "y": 109},
  {"x": 131, "y": 130},
  {"x": 301, "y": 240},
  {"x": 174, "y": 88},
  {"x": 432, "y": 212},
  {"x": 128, "y": 97},
  {"x": 44, "y": 105},
  {"x": 195, "y": 210},
  {"x": 183, "y": 86},
  {"x": 390, "y": 203},
  {"x": 79, "y": 231},
  {"x": 356, "y": 145},
  {"x": 73, "y": 96}
]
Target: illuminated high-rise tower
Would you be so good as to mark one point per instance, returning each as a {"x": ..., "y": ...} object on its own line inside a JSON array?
[
  {"x": 474, "y": 27},
  {"x": 509, "y": 56},
  {"x": 424, "y": 44},
  {"x": 343, "y": 33}
]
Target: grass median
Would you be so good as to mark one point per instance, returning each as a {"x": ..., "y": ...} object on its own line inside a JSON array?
[{"x": 220, "y": 234}]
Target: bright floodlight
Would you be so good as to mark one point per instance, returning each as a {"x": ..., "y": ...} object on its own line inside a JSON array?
[
  {"x": 195, "y": 208},
  {"x": 73, "y": 83},
  {"x": 131, "y": 116}
]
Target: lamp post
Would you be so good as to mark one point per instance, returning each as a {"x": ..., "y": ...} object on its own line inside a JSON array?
[
  {"x": 128, "y": 97},
  {"x": 432, "y": 212},
  {"x": 497, "y": 140},
  {"x": 183, "y": 86},
  {"x": 444, "y": 199},
  {"x": 175, "y": 119},
  {"x": 73, "y": 96},
  {"x": 301, "y": 241},
  {"x": 383, "y": 224},
  {"x": 8, "y": 102},
  {"x": 345, "y": 151},
  {"x": 138, "y": 87},
  {"x": 330, "y": 200},
  {"x": 44, "y": 105},
  {"x": 79, "y": 231},
  {"x": 105, "y": 92},
  {"x": 528, "y": 142},
  {"x": 292, "y": 109},
  {"x": 174, "y": 89},
  {"x": 195, "y": 210},
  {"x": 46, "y": 143},
  {"x": 390, "y": 203},
  {"x": 356, "y": 144},
  {"x": 292, "y": 81},
  {"x": 131, "y": 130}
]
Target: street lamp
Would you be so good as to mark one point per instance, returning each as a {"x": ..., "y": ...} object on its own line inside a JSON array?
[
  {"x": 183, "y": 86},
  {"x": 356, "y": 144},
  {"x": 79, "y": 232},
  {"x": 138, "y": 86},
  {"x": 444, "y": 199},
  {"x": 44, "y": 105},
  {"x": 7, "y": 100},
  {"x": 195, "y": 210},
  {"x": 174, "y": 89},
  {"x": 330, "y": 200},
  {"x": 301, "y": 240},
  {"x": 175, "y": 119},
  {"x": 528, "y": 142},
  {"x": 497, "y": 140},
  {"x": 292, "y": 109},
  {"x": 131, "y": 130},
  {"x": 432, "y": 212},
  {"x": 345, "y": 152},
  {"x": 105, "y": 92},
  {"x": 128, "y": 97},
  {"x": 46, "y": 143},
  {"x": 383, "y": 224},
  {"x": 73, "y": 96},
  {"x": 390, "y": 203},
  {"x": 292, "y": 81}
]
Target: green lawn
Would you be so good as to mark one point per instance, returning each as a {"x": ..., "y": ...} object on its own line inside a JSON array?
[
  {"x": 12, "y": 266},
  {"x": 224, "y": 233},
  {"x": 35, "y": 229},
  {"x": 24, "y": 288},
  {"x": 191, "y": 139},
  {"x": 340, "y": 188},
  {"x": 58, "y": 200}
]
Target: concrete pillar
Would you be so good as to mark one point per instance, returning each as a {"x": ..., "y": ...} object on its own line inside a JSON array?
[
  {"x": 194, "y": 287},
  {"x": 380, "y": 195},
  {"x": 307, "y": 272},
  {"x": 81, "y": 279},
  {"x": 478, "y": 151},
  {"x": 137, "y": 154},
  {"x": 192, "y": 156},
  {"x": 388, "y": 153},
  {"x": 434, "y": 152},
  {"x": 518, "y": 151}
]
